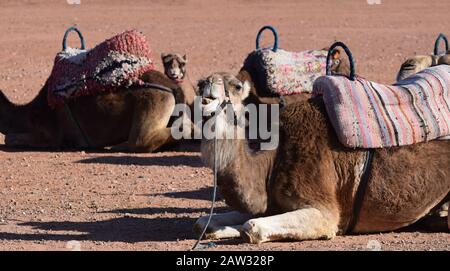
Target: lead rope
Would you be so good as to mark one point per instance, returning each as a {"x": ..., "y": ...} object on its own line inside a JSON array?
[
  {"x": 219, "y": 108},
  {"x": 213, "y": 201}
]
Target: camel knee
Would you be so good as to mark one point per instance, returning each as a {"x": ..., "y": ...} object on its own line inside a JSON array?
[{"x": 150, "y": 142}]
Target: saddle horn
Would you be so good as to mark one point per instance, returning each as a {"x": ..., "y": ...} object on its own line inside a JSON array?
[
  {"x": 66, "y": 34},
  {"x": 440, "y": 38},
  {"x": 275, "y": 36}
]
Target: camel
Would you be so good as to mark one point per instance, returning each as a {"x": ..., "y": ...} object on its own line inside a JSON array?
[
  {"x": 175, "y": 69},
  {"x": 138, "y": 116},
  {"x": 305, "y": 188},
  {"x": 416, "y": 64}
]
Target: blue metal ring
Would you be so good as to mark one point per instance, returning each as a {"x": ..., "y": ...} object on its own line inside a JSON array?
[
  {"x": 437, "y": 43},
  {"x": 73, "y": 28},
  {"x": 275, "y": 34}
]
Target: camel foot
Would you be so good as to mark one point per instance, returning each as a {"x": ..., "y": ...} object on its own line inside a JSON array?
[
  {"x": 222, "y": 226},
  {"x": 253, "y": 233}
]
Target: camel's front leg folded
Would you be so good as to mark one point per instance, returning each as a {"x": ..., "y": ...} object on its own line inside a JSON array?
[
  {"x": 222, "y": 226},
  {"x": 303, "y": 224}
]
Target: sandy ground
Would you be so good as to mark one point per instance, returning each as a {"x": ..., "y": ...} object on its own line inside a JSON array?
[{"x": 114, "y": 201}]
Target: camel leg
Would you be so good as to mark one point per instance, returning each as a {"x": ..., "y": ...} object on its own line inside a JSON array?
[
  {"x": 222, "y": 226},
  {"x": 149, "y": 130},
  {"x": 303, "y": 224},
  {"x": 26, "y": 140}
]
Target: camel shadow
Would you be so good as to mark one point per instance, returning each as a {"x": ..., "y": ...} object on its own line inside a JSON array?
[
  {"x": 171, "y": 210},
  {"x": 176, "y": 160},
  {"x": 123, "y": 229},
  {"x": 191, "y": 147},
  {"x": 204, "y": 193}
]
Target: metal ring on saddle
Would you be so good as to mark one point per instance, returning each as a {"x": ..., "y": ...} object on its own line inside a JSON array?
[
  {"x": 275, "y": 35},
  {"x": 66, "y": 34},
  {"x": 440, "y": 38},
  {"x": 350, "y": 58}
]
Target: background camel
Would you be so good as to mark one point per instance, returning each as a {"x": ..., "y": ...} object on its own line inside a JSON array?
[
  {"x": 305, "y": 189},
  {"x": 138, "y": 116},
  {"x": 175, "y": 69},
  {"x": 415, "y": 64}
]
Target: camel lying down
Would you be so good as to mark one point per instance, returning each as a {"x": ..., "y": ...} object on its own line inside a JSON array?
[
  {"x": 137, "y": 117},
  {"x": 415, "y": 64},
  {"x": 305, "y": 189}
]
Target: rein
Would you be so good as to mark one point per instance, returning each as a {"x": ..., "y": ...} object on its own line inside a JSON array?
[
  {"x": 219, "y": 109},
  {"x": 365, "y": 175}
]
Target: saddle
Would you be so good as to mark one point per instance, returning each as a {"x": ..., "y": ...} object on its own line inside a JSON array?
[
  {"x": 366, "y": 114},
  {"x": 117, "y": 62},
  {"x": 283, "y": 72}
]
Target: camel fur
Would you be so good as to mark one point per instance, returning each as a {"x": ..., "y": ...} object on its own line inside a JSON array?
[
  {"x": 136, "y": 116},
  {"x": 305, "y": 188}
]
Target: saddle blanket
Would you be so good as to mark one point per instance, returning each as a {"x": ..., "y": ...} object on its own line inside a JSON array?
[
  {"x": 365, "y": 114},
  {"x": 116, "y": 62},
  {"x": 287, "y": 73}
]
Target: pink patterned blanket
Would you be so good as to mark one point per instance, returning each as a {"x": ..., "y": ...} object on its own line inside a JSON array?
[
  {"x": 116, "y": 62},
  {"x": 287, "y": 73},
  {"x": 365, "y": 114}
]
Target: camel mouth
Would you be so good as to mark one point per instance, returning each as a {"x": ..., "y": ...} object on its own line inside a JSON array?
[{"x": 209, "y": 105}]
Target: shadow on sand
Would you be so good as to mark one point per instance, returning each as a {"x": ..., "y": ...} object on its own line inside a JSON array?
[{"x": 175, "y": 160}]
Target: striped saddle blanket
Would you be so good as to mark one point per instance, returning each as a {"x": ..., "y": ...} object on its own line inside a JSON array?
[
  {"x": 117, "y": 62},
  {"x": 284, "y": 72},
  {"x": 365, "y": 114}
]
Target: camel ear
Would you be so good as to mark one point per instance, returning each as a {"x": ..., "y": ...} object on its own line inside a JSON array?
[
  {"x": 163, "y": 56},
  {"x": 184, "y": 59},
  {"x": 246, "y": 87}
]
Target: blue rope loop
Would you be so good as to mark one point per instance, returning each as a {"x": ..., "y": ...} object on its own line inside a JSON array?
[
  {"x": 275, "y": 35},
  {"x": 350, "y": 58},
  {"x": 440, "y": 38},
  {"x": 73, "y": 29}
]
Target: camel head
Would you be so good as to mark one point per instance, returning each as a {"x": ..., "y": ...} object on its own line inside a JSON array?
[
  {"x": 416, "y": 64},
  {"x": 220, "y": 87},
  {"x": 174, "y": 66},
  {"x": 223, "y": 89}
]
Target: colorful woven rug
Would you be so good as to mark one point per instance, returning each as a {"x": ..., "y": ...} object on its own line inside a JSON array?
[
  {"x": 116, "y": 62},
  {"x": 365, "y": 114},
  {"x": 287, "y": 73}
]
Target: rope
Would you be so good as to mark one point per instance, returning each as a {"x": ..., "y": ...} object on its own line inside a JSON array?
[
  {"x": 437, "y": 43},
  {"x": 275, "y": 35},
  {"x": 219, "y": 109},
  {"x": 213, "y": 201},
  {"x": 73, "y": 29}
]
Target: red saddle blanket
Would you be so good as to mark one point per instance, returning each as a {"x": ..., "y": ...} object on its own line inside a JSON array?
[{"x": 117, "y": 62}]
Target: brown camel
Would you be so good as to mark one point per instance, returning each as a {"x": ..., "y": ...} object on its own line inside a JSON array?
[
  {"x": 305, "y": 188},
  {"x": 138, "y": 116},
  {"x": 415, "y": 64},
  {"x": 175, "y": 69}
]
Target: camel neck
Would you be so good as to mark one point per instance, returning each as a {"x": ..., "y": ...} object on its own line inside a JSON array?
[
  {"x": 188, "y": 90},
  {"x": 242, "y": 173}
]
